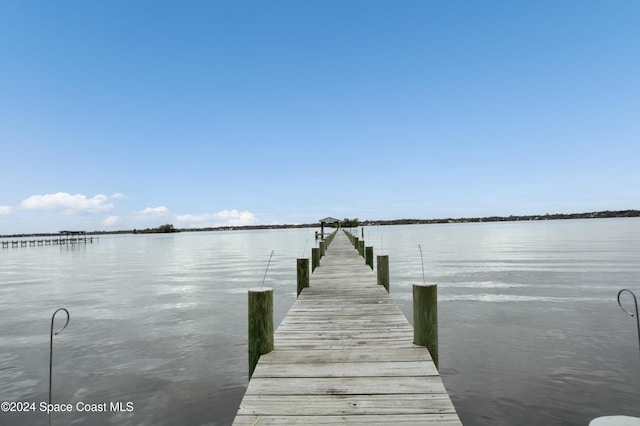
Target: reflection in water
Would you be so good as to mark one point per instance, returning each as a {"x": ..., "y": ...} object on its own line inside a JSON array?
[{"x": 530, "y": 332}]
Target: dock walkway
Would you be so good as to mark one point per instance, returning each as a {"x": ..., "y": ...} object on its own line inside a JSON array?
[{"x": 344, "y": 354}]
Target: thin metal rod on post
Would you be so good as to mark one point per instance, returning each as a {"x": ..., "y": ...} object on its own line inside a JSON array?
[
  {"x": 421, "y": 260},
  {"x": 51, "y": 350},
  {"x": 267, "y": 270}
]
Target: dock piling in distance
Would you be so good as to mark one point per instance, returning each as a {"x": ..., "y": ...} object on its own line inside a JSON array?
[
  {"x": 315, "y": 258},
  {"x": 383, "y": 271},
  {"x": 369, "y": 256},
  {"x": 260, "y": 324},
  {"x": 302, "y": 274},
  {"x": 425, "y": 318}
]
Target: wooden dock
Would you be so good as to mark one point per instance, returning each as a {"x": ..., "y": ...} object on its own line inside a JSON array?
[
  {"x": 46, "y": 242},
  {"x": 344, "y": 354}
]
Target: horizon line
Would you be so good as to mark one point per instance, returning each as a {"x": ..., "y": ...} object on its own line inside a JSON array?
[{"x": 602, "y": 214}]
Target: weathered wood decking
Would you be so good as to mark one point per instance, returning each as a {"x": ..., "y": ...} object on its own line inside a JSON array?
[{"x": 344, "y": 354}]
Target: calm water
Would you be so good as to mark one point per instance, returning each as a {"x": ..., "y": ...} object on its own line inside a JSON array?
[{"x": 530, "y": 331}]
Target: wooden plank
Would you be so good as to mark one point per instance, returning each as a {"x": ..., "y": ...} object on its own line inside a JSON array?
[
  {"x": 351, "y": 327},
  {"x": 347, "y": 334},
  {"x": 348, "y": 369},
  {"x": 300, "y": 356},
  {"x": 380, "y": 420},
  {"x": 344, "y": 385},
  {"x": 373, "y": 309},
  {"x": 339, "y": 405},
  {"x": 371, "y": 334},
  {"x": 337, "y": 344},
  {"x": 341, "y": 320}
]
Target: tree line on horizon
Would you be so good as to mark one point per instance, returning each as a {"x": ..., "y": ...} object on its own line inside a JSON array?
[
  {"x": 163, "y": 229},
  {"x": 512, "y": 218},
  {"x": 346, "y": 223}
]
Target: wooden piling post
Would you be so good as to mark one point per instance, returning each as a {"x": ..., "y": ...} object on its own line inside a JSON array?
[
  {"x": 303, "y": 274},
  {"x": 321, "y": 246},
  {"x": 425, "y": 318},
  {"x": 369, "y": 256},
  {"x": 356, "y": 243},
  {"x": 383, "y": 271},
  {"x": 260, "y": 324},
  {"x": 315, "y": 258},
  {"x": 361, "y": 247}
]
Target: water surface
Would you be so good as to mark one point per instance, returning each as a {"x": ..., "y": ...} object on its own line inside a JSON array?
[{"x": 530, "y": 331}]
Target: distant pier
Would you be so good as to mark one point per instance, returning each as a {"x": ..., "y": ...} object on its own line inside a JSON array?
[{"x": 65, "y": 238}]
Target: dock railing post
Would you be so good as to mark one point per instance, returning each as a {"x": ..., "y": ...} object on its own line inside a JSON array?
[
  {"x": 356, "y": 243},
  {"x": 303, "y": 274},
  {"x": 369, "y": 256},
  {"x": 425, "y": 318},
  {"x": 315, "y": 258},
  {"x": 383, "y": 271},
  {"x": 321, "y": 246},
  {"x": 361, "y": 247},
  {"x": 329, "y": 239},
  {"x": 260, "y": 324}
]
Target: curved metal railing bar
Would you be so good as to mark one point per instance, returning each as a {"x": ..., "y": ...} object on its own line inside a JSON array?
[
  {"x": 51, "y": 349},
  {"x": 635, "y": 301}
]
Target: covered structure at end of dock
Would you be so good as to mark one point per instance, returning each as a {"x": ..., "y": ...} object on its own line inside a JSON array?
[{"x": 329, "y": 221}]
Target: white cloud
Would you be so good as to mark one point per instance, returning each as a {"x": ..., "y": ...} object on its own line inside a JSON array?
[
  {"x": 6, "y": 210},
  {"x": 119, "y": 196},
  {"x": 110, "y": 221},
  {"x": 67, "y": 203},
  {"x": 221, "y": 218},
  {"x": 236, "y": 218},
  {"x": 153, "y": 211}
]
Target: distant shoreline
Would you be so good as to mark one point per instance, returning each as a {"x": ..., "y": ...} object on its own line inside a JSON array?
[{"x": 557, "y": 216}]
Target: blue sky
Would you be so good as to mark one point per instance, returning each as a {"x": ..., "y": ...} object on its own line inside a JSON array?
[{"x": 121, "y": 115}]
